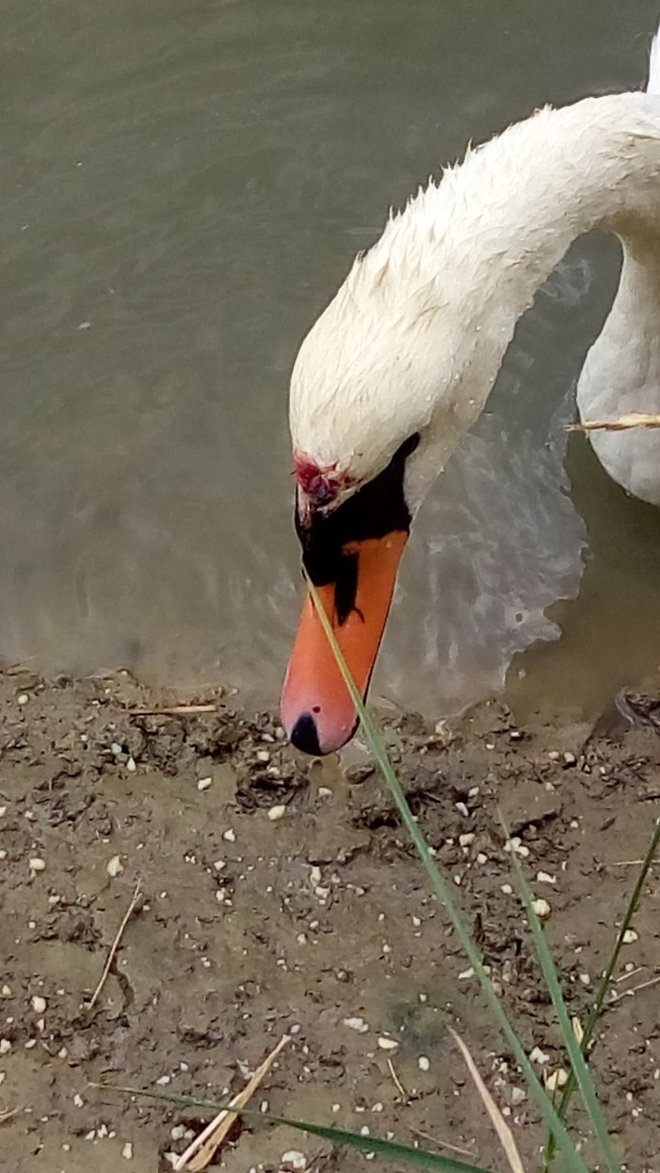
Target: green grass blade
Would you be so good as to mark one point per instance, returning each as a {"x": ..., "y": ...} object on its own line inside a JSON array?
[
  {"x": 606, "y": 978},
  {"x": 391, "y": 1150},
  {"x": 579, "y": 1068},
  {"x": 574, "y": 1162}
]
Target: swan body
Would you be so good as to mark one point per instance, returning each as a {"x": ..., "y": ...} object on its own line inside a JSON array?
[{"x": 406, "y": 353}]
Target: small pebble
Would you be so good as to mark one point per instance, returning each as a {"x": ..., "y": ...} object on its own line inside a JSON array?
[
  {"x": 78, "y": 1100},
  {"x": 131, "y": 766},
  {"x": 546, "y": 878},
  {"x": 229, "y": 835},
  {"x": 205, "y": 784},
  {"x": 423, "y": 1063},
  {"x": 294, "y": 1160},
  {"x": 630, "y": 936},
  {"x": 22, "y": 698},
  {"x": 570, "y": 758},
  {"x": 467, "y": 839},
  {"x": 466, "y": 974},
  {"x": 556, "y": 1079},
  {"x": 538, "y": 1056},
  {"x": 518, "y": 1096},
  {"x": 114, "y": 866},
  {"x": 387, "y": 1044},
  {"x": 5, "y": 1046},
  {"x": 116, "y": 749},
  {"x": 39, "y": 1004},
  {"x": 325, "y": 792},
  {"x": 127, "y": 1151},
  {"x": 276, "y": 812},
  {"x": 357, "y": 1024},
  {"x": 37, "y": 865},
  {"x": 541, "y": 908}
]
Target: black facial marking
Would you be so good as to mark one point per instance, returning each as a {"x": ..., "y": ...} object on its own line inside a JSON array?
[{"x": 377, "y": 509}]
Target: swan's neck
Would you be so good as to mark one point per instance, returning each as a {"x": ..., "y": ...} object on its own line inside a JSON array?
[
  {"x": 514, "y": 207},
  {"x": 415, "y": 337}
]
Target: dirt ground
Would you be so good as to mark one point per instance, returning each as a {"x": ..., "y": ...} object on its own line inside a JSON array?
[{"x": 316, "y": 923}]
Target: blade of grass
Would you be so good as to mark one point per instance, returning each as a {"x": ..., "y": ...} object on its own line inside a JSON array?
[
  {"x": 606, "y": 978},
  {"x": 581, "y": 1072},
  {"x": 406, "y": 1154},
  {"x": 574, "y": 1162}
]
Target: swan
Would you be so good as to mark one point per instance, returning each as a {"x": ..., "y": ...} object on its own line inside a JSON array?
[{"x": 400, "y": 363}]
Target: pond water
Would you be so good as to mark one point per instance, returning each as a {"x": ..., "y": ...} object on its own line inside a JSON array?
[{"x": 184, "y": 186}]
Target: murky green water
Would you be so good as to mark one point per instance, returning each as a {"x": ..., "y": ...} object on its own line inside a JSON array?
[{"x": 184, "y": 185}]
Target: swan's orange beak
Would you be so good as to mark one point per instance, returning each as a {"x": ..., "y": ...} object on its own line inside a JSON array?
[{"x": 317, "y": 711}]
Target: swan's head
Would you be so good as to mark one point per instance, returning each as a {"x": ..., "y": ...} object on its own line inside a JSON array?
[{"x": 367, "y": 405}]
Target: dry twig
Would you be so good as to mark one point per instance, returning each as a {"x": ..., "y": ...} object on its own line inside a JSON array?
[
  {"x": 634, "y": 419},
  {"x": 5, "y": 1117},
  {"x": 175, "y": 711},
  {"x": 115, "y": 945},
  {"x": 499, "y": 1123},
  {"x": 397, "y": 1082},
  {"x": 642, "y": 986},
  {"x": 440, "y": 1144},
  {"x": 201, "y": 1150}
]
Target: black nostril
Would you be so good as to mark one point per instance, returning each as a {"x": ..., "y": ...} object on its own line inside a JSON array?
[{"x": 304, "y": 735}]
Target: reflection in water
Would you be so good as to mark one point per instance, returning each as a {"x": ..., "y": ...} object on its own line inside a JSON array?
[{"x": 184, "y": 188}]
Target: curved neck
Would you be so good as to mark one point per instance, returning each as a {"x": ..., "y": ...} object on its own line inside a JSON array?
[
  {"x": 502, "y": 220},
  {"x": 414, "y": 338}
]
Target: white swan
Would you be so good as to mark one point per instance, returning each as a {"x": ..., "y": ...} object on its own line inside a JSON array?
[{"x": 401, "y": 362}]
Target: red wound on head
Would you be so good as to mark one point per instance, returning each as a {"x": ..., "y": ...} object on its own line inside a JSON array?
[{"x": 320, "y": 485}]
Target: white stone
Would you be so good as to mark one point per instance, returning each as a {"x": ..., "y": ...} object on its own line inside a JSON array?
[
  {"x": 538, "y": 1056},
  {"x": 204, "y": 784},
  {"x": 357, "y": 1024},
  {"x": 541, "y": 908},
  {"x": 294, "y": 1160},
  {"x": 114, "y": 866},
  {"x": 39, "y": 1004},
  {"x": 276, "y": 812},
  {"x": 37, "y": 864},
  {"x": 387, "y": 1044},
  {"x": 423, "y": 1063},
  {"x": 556, "y": 1079}
]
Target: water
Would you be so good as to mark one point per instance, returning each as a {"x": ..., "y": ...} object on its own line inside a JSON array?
[{"x": 184, "y": 186}]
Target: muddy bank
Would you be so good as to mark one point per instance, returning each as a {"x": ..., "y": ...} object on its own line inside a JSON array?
[{"x": 316, "y": 923}]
